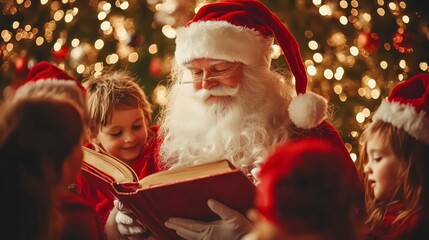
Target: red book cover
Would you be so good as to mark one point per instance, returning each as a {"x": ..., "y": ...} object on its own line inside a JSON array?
[{"x": 184, "y": 193}]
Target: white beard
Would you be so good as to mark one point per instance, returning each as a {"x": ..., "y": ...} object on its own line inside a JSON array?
[{"x": 242, "y": 130}]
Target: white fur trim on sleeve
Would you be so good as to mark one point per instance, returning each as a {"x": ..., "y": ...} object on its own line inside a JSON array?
[
  {"x": 404, "y": 116},
  {"x": 222, "y": 40},
  {"x": 307, "y": 110}
]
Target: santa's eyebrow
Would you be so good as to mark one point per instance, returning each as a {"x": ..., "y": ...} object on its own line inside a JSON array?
[{"x": 212, "y": 63}]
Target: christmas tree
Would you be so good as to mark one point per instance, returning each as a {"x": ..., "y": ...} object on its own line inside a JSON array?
[{"x": 354, "y": 51}]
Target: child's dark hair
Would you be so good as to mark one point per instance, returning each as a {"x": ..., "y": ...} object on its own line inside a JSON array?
[{"x": 37, "y": 135}]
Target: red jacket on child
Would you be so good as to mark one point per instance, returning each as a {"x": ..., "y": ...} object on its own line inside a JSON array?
[
  {"x": 414, "y": 228},
  {"x": 144, "y": 165}
]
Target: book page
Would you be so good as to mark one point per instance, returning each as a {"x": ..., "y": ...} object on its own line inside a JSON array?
[
  {"x": 186, "y": 173},
  {"x": 109, "y": 165}
]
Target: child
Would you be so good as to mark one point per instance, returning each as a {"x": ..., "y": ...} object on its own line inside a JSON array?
[
  {"x": 395, "y": 163},
  {"x": 41, "y": 154},
  {"x": 305, "y": 193},
  {"x": 119, "y": 114}
]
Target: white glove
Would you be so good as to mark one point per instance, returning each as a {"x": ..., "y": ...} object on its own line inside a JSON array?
[
  {"x": 233, "y": 225},
  {"x": 127, "y": 227}
]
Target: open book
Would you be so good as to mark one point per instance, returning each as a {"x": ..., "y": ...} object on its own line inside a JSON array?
[{"x": 179, "y": 192}]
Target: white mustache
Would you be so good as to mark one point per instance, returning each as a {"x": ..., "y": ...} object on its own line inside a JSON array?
[{"x": 203, "y": 94}]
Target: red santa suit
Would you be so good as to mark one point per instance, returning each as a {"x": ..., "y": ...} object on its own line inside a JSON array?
[{"x": 80, "y": 220}]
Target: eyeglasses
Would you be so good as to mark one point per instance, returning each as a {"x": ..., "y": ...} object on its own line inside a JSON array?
[{"x": 216, "y": 77}]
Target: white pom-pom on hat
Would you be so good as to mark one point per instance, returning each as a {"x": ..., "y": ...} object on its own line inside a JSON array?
[{"x": 307, "y": 110}]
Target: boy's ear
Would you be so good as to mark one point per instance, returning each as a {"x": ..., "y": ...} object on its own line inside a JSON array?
[{"x": 92, "y": 137}]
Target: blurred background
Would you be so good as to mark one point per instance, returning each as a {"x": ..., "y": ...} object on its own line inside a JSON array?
[{"x": 354, "y": 51}]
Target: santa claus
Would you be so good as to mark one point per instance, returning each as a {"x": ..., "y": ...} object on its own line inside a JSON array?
[{"x": 225, "y": 102}]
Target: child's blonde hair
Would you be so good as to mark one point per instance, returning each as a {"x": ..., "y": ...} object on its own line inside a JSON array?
[
  {"x": 412, "y": 177},
  {"x": 110, "y": 90}
]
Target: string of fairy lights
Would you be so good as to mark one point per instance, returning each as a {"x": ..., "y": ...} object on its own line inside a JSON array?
[{"x": 331, "y": 58}]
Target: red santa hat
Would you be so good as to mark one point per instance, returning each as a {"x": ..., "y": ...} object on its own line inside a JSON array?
[
  {"x": 244, "y": 31},
  {"x": 46, "y": 78},
  {"x": 407, "y": 107},
  {"x": 305, "y": 185}
]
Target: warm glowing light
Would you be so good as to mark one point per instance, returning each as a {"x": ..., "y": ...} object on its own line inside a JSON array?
[
  {"x": 362, "y": 92},
  {"x": 57, "y": 46},
  {"x": 160, "y": 95},
  {"x": 153, "y": 48},
  {"x": 343, "y": 20},
  {"x": 423, "y": 66},
  {"x": 68, "y": 18},
  {"x": 392, "y": 6},
  {"x": 99, "y": 44},
  {"x": 317, "y": 57},
  {"x": 325, "y": 10},
  {"x": 58, "y": 15},
  {"x": 98, "y": 66},
  {"x": 343, "y": 4},
  {"x": 381, "y": 11},
  {"x": 360, "y": 117},
  {"x": 402, "y": 63},
  {"x": 372, "y": 83},
  {"x": 101, "y": 16},
  {"x": 366, "y": 112},
  {"x": 354, "y": 51},
  {"x": 353, "y": 156},
  {"x": 43, "y": 2},
  {"x": 133, "y": 57},
  {"x": 107, "y": 6},
  {"x": 308, "y": 62},
  {"x": 168, "y": 31},
  {"x": 375, "y": 94},
  {"x": 354, "y": 3},
  {"x": 277, "y": 51},
  {"x": 317, "y": 2},
  {"x": 313, "y": 45},
  {"x": 75, "y": 42},
  {"x": 338, "y": 89},
  {"x": 9, "y": 47},
  {"x": 383, "y": 64},
  {"x": 80, "y": 69},
  {"x": 39, "y": 41},
  {"x": 15, "y": 25},
  {"x": 311, "y": 70},
  {"x": 105, "y": 25},
  {"x": 114, "y": 58},
  {"x": 6, "y": 35},
  {"x": 405, "y": 19},
  {"x": 366, "y": 17},
  {"x": 124, "y": 5},
  {"x": 328, "y": 74}
]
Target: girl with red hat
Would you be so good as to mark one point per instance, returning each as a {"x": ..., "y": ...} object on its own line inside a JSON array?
[{"x": 395, "y": 164}]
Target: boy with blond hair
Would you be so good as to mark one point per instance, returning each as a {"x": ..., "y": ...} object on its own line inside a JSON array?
[{"x": 119, "y": 115}]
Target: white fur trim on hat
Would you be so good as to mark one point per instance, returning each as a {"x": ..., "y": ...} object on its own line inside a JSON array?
[
  {"x": 307, "y": 110},
  {"x": 51, "y": 86},
  {"x": 405, "y": 117},
  {"x": 222, "y": 40}
]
